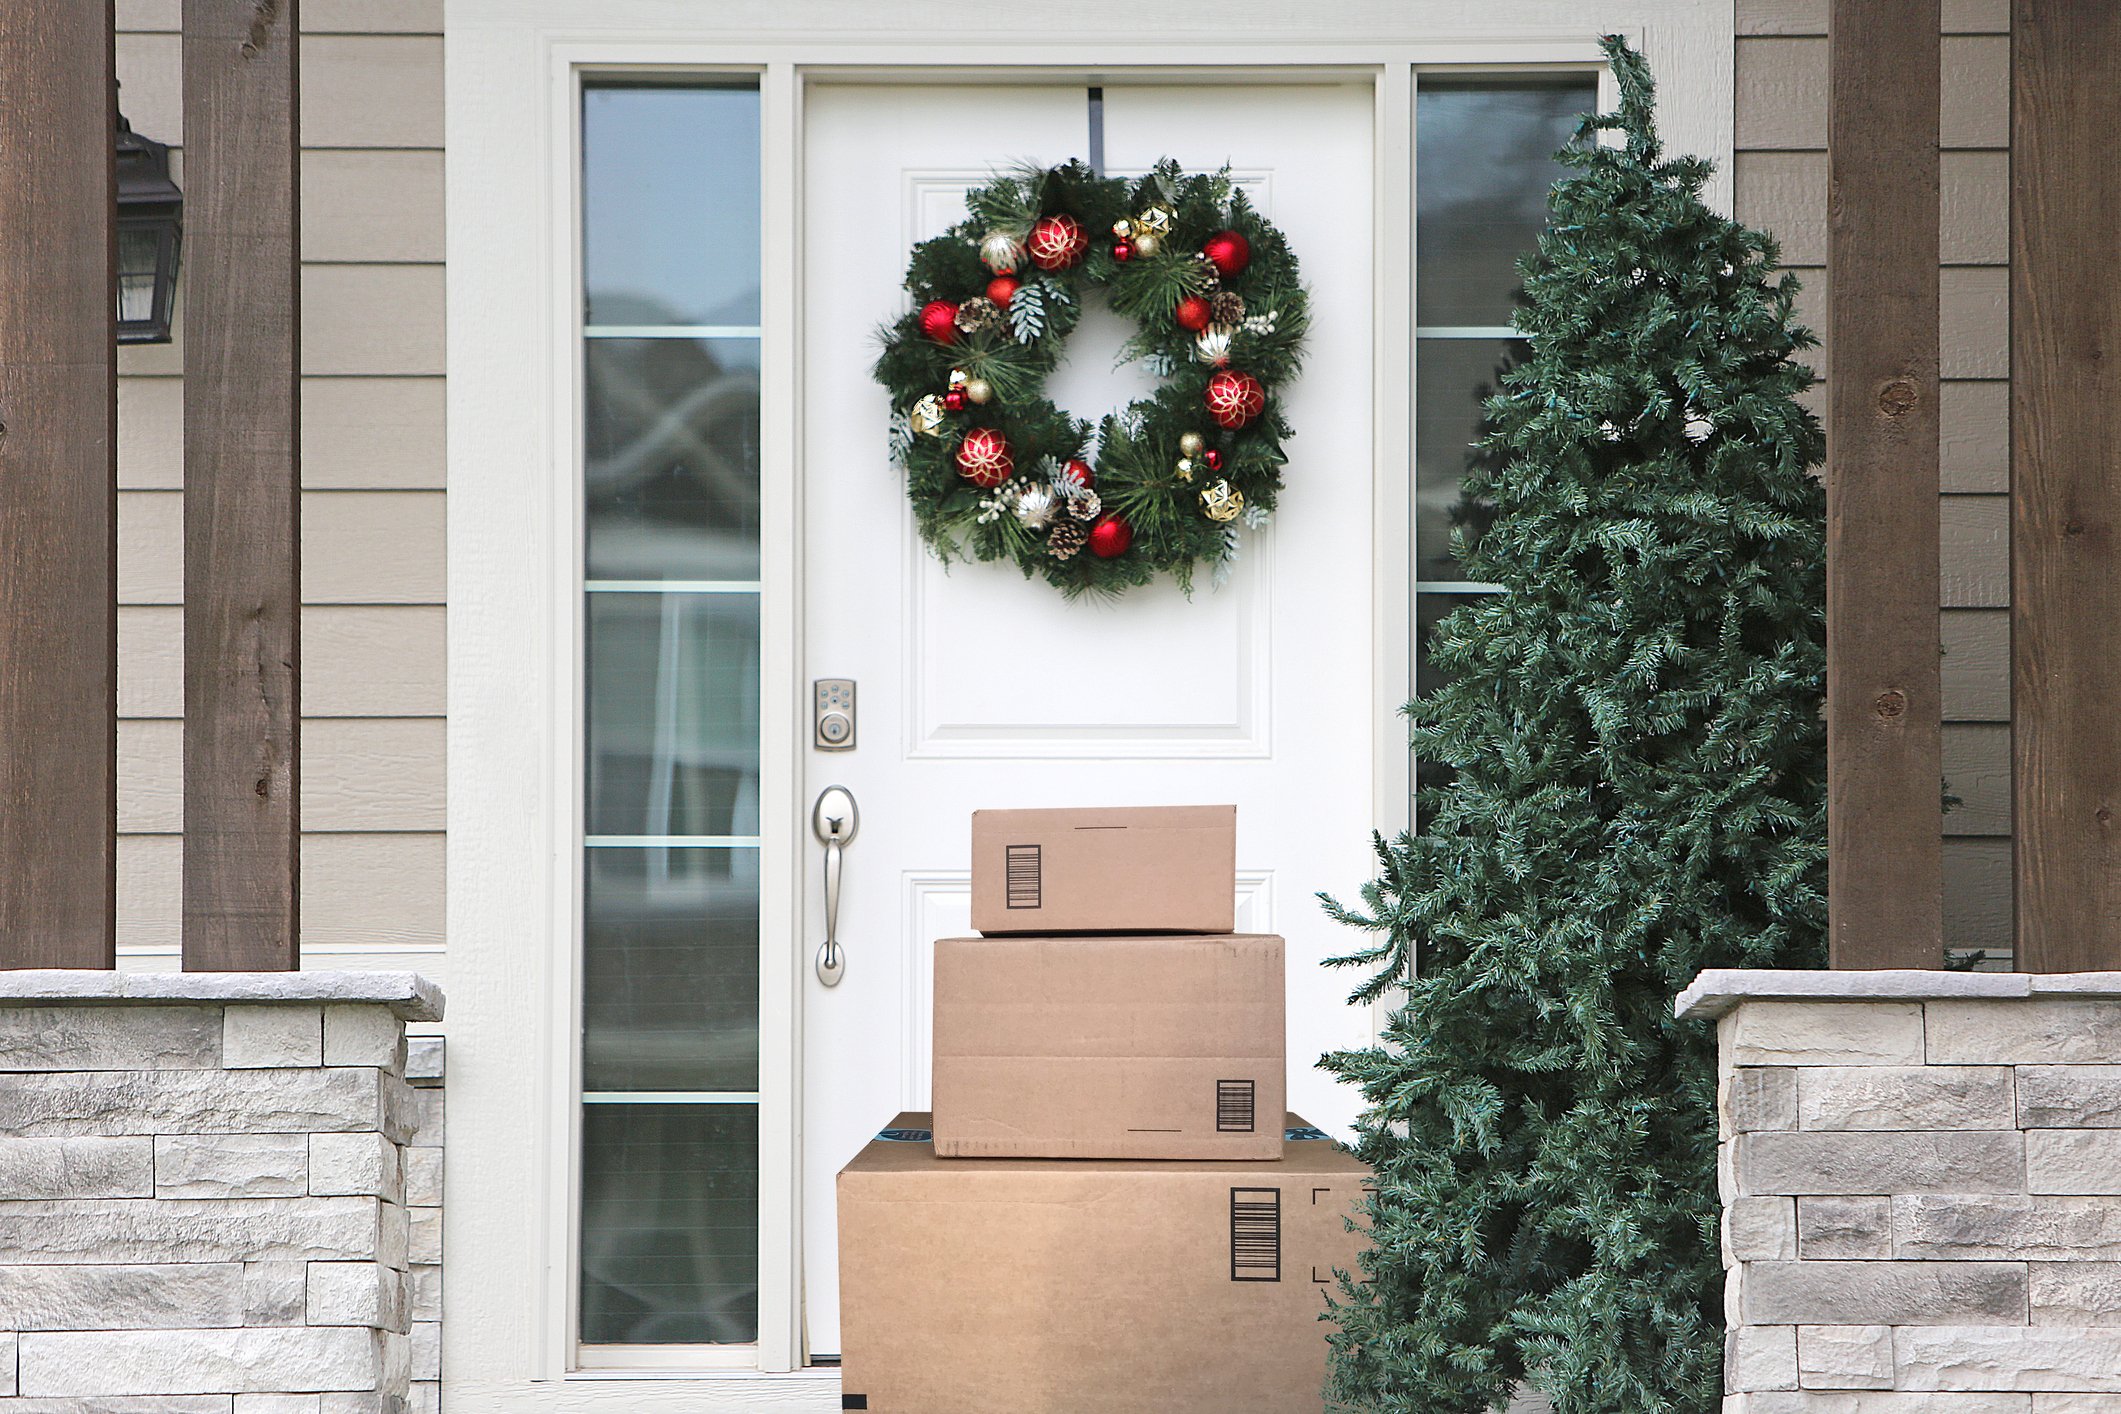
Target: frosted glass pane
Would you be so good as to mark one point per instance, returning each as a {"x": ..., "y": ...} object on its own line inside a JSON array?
[
  {"x": 1484, "y": 158},
  {"x": 670, "y": 1224},
  {"x": 670, "y": 204}
]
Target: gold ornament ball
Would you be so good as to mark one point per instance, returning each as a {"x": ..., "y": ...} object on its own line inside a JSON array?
[
  {"x": 927, "y": 416},
  {"x": 1191, "y": 444},
  {"x": 1122, "y": 228},
  {"x": 957, "y": 377},
  {"x": 1222, "y": 502},
  {"x": 1146, "y": 244},
  {"x": 978, "y": 390},
  {"x": 1185, "y": 468}
]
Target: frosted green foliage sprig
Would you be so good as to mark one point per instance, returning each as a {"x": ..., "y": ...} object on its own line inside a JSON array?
[{"x": 1625, "y": 783}]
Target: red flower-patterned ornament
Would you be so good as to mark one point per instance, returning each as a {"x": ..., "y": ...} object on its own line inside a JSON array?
[
  {"x": 1110, "y": 536},
  {"x": 939, "y": 321},
  {"x": 1057, "y": 242},
  {"x": 983, "y": 458},
  {"x": 1228, "y": 252},
  {"x": 1234, "y": 399},
  {"x": 1193, "y": 313}
]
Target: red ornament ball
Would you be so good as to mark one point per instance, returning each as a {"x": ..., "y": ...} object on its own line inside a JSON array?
[
  {"x": 1234, "y": 399},
  {"x": 983, "y": 458},
  {"x": 1193, "y": 313},
  {"x": 1110, "y": 536},
  {"x": 1228, "y": 251},
  {"x": 1001, "y": 289},
  {"x": 1078, "y": 471},
  {"x": 1122, "y": 250},
  {"x": 1057, "y": 242},
  {"x": 939, "y": 321},
  {"x": 1214, "y": 459},
  {"x": 955, "y": 400}
]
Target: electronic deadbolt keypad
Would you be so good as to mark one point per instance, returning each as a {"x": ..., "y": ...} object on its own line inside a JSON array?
[{"x": 832, "y": 714}]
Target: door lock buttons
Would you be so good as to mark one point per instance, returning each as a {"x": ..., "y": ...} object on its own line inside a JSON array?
[{"x": 832, "y": 714}]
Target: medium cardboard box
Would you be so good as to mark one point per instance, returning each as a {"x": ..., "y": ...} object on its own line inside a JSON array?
[
  {"x": 1165, "y": 1047},
  {"x": 1087, "y": 1286},
  {"x": 1145, "y": 869}
]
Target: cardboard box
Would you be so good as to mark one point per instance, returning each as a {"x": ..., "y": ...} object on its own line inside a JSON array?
[
  {"x": 969, "y": 1286},
  {"x": 1149, "y": 869},
  {"x": 1166, "y": 1047}
]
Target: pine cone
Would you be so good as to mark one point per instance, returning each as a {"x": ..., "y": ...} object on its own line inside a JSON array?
[
  {"x": 1066, "y": 537},
  {"x": 978, "y": 313},
  {"x": 1084, "y": 505},
  {"x": 1226, "y": 307},
  {"x": 1211, "y": 278}
]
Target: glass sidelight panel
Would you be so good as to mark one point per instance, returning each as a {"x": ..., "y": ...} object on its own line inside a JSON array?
[
  {"x": 1484, "y": 161},
  {"x": 670, "y": 697}
]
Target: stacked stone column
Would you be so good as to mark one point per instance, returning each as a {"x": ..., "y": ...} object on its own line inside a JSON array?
[
  {"x": 203, "y": 1192},
  {"x": 1921, "y": 1181}
]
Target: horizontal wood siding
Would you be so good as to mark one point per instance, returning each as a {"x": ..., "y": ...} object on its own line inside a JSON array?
[
  {"x": 1780, "y": 184},
  {"x": 373, "y": 571}
]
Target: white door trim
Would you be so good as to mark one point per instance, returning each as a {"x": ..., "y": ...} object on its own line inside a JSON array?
[{"x": 514, "y": 793}]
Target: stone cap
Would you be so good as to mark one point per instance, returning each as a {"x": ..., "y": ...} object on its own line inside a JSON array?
[
  {"x": 410, "y": 995},
  {"x": 1719, "y": 989}
]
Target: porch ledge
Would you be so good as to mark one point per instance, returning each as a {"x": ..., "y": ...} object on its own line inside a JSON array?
[
  {"x": 1719, "y": 989},
  {"x": 408, "y": 994}
]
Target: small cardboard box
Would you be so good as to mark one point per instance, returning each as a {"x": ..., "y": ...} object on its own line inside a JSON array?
[
  {"x": 1166, "y": 1047},
  {"x": 1145, "y": 869},
  {"x": 969, "y": 1286}
]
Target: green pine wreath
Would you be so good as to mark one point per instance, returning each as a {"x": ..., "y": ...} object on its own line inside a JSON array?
[{"x": 996, "y": 471}]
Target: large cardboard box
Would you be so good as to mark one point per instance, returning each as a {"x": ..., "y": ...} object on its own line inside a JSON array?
[
  {"x": 1039, "y": 1286},
  {"x": 1145, "y": 869},
  {"x": 1164, "y": 1047}
]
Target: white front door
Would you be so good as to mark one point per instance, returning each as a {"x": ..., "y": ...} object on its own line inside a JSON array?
[{"x": 977, "y": 688}]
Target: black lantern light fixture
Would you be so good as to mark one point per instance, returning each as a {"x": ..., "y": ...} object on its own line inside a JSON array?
[{"x": 150, "y": 230}]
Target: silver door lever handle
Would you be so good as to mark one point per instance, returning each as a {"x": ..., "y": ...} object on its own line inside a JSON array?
[{"x": 834, "y": 819}]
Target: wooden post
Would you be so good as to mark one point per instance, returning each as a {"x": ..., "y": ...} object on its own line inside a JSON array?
[
  {"x": 242, "y": 596},
  {"x": 2066, "y": 484},
  {"x": 1884, "y": 700},
  {"x": 58, "y": 488}
]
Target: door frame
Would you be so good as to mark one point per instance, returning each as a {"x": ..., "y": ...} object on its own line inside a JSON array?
[{"x": 514, "y": 69}]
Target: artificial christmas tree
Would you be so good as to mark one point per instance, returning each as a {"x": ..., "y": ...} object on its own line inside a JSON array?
[{"x": 1633, "y": 789}]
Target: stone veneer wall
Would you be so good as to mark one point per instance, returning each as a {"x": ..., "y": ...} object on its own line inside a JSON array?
[
  {"x": 1921, "y": 1178},
  {"x": 218, "y": 1194}
]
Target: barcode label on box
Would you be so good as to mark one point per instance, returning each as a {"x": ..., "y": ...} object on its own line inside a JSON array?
[
  {"x": 1020, "y": 876},
  {"x": 1233, "y": 1107},
  {"x": 1255, "y": 1234}
]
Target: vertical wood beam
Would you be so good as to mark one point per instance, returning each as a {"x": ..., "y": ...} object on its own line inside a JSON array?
[
  {"x": 1884, "y": 698},
  {"x": 2066, "y": 484},
  {"x": 58, "y": 488},
  {"x": 242, "y": 532}
]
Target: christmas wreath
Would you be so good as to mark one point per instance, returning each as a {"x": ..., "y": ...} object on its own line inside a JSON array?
[{"x": 997, "y": 472}]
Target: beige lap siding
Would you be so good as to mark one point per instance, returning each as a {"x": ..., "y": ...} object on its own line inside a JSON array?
[
  {"x": 373, "y": 509},
  {"x": 1781, "y": 185}
]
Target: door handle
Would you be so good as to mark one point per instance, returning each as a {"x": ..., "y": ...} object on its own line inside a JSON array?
[{"x": 834, "y": 819}]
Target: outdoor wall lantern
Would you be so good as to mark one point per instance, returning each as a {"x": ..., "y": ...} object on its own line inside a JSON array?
[{"x": 150, "y": 229}]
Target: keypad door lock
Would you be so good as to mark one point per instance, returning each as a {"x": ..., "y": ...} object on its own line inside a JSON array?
[{"x": 832, "y": 714}]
